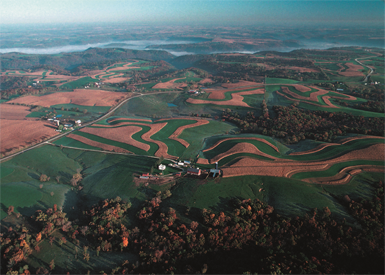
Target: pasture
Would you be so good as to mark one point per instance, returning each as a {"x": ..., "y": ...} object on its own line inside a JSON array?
[{"x": 289, "y": 197}]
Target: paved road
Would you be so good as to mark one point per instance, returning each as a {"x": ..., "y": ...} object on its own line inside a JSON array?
[
  {"x": 371, "y": 69},
  {"x": 84, "y": 125}
]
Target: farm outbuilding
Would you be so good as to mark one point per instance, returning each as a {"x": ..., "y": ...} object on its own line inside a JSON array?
[{"x": 194, "y": 171}]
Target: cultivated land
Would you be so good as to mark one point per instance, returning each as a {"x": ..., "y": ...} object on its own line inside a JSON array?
[
  {"x": 296, "y": 163},
  {"x": 85, "y": 97}
]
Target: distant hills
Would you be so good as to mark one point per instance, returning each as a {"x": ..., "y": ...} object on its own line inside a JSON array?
[
  {"x": 212, "y": 47},
  {"x": 71, "y": 60}
]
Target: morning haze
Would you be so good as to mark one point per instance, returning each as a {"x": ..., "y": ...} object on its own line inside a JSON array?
[{"x": 192, "y": 137}]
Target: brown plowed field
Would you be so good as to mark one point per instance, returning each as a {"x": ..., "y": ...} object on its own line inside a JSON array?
[
  {"x": 169, "y": 84},
  {"x": 301, "y": 88},
  {"x": 21, "y": 133},
  {"x": 249, "y": 166},
  {"x": 123, "y": 118},
  {"x": 345, "y": 175},
  {"x": 206, "y": 80},
  {"x": 307, "y": 102},
  {"x": 120, "y": 134},
  {"x": 327, "y": 101},
  {"x": 103, "y": 146},
  {"x": 353, "y": 70},
  {"x": 117, "y": 68},
  {"x": 8, "y": 111},
  {"x": 242, "y": 147},
  {"x": 203, "y": 161},
  {"x": 162, "y": 151},
  {"x": 323, "y": 146},
  {"x": 250, "y": 138},
  {"x": 314, "y": 150},
  {"x": 179, "y": 131},
  {"x": 220, "y": 94},
  {"x": 85, "y": 97},
  {"x": 301, "y": 69},
  {"x": 282, "y": 168},
  {"x": 237, "y": 99},
  {"x": 116, "y": 79},
  {"x": 312, "y": 97},
  {"x": 345, "y": 140}
]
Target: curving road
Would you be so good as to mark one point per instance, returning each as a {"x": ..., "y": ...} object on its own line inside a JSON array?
[
  {"x": 371, "y": 69},
  {"x": 48, "y": 141}
]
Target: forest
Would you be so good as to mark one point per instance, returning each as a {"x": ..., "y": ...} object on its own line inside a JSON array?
[
  {"x": 295, "y": 124},
  {"x": 252, "y": 234}
]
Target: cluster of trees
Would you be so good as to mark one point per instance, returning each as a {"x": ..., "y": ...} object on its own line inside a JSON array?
[
  {"x": 152, "y": 75},
  {"x": 249, "y": 238},
  {"x": 295, "y": 124},
  {"x": 252, "y": 72},
  {"x": 12, "y": 82}
]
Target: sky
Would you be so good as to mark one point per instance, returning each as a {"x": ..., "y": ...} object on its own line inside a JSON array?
[{"x": 184, "y": 12}]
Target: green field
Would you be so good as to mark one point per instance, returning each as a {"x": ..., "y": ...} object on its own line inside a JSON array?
[
  {"x": 197, "y": 136},
  {"x": 174, "y": 147},
  {"x": 148, "y": 106},
  {"x": 335, "y": 169},
  {"x": 80, "y": 83},
  {"x": 289, "y": 197},
  {"x": 91, "y": 109},
  {"x": 188, "y": 79},
  {"x": 66, "y": 141},
  {"x": 270, "y": 80},
  {"x": 104, "y": 176},
  {"x": 329, "y": 152},
  {"x": 20, "y": 188},
  {"x": 125, "y": 146}
]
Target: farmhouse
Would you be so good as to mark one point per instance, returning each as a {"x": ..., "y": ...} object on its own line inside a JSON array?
[{"x": 194, "y": 171}]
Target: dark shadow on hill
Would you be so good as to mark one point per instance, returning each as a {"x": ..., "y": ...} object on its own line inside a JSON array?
[
  {"x": 50, "y": 126},
  {"x": 34, "y": 176},
  {"x": 225, "y": 205},
  {"x": 31, "y": 210}
]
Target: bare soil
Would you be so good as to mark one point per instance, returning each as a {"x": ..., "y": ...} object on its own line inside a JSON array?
[
  {"x": 237, "y": 99},
  {"x": 16, "y": 133},
  {"x": 179, "y": 131},
  {"x": 250, "y": 138},
  {"x": 8, "y": 111},
  {"x": 85, "y": 97},
  {"x": 120, "y": 134},
  {"x": 101, "y": 145}
]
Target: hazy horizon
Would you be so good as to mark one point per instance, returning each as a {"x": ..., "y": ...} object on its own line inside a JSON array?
[{"x": 196, "y": 12}]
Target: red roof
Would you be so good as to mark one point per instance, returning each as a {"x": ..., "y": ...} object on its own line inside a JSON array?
[{"x": 145, "y": 175}]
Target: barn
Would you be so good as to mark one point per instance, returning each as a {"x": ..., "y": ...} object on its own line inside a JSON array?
[{"x": 194, "y": 171}]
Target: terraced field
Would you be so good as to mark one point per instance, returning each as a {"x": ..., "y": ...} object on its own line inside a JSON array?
[
  {"x": 314, "y": 95},
  {"x": 162, "y": 137},
  {"x": 336, "y": 163},
  {"x": 227, "y": 97}
]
